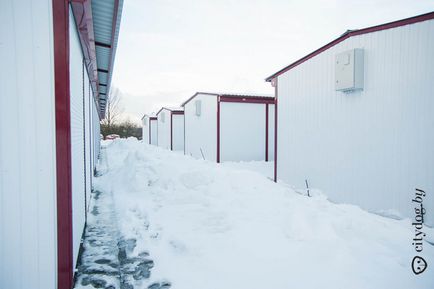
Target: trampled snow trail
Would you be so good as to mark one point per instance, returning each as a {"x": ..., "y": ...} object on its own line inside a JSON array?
[
  {"x": 106, "y": 260},
  {"x": 211, "y": 226}
]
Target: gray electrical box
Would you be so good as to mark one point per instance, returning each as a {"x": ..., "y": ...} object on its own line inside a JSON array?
[{"x": 349, "y": 70}]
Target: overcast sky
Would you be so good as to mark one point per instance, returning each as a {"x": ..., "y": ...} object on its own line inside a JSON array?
[{"x": 170, "y": 49}]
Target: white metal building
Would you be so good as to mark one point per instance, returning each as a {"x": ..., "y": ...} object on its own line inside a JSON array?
[
  {"x": 355, "y": 117},
  {"x": 59, "y": 57},
  {"x": 149, "y": 129},
  {"x": 170, "y": 131},
  {"x": 229, "y": 127}
]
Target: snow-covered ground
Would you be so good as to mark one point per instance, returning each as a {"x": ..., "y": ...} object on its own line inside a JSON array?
[{"x": 210, "y": 226}]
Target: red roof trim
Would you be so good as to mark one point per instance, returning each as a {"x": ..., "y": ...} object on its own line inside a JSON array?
[
  {"x": 180, "y": 112},
  {"x": 150, "y": 117},
  {"x": 227, "y": 95},
  {"x": 266, "y": 100},
  {"x": 194, "y": 95},
  {"x": 351, "y": 33},
  {"x": 171, "y": 110}
]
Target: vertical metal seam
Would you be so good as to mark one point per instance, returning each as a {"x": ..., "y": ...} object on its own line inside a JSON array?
[
  {"x": 218, "y": 129},
  {"x": 266, "y": 132},
  {"x": 62, "y": 100},
  {"x": 275, "y": 128},
  {"x": 171, "y": 131}
]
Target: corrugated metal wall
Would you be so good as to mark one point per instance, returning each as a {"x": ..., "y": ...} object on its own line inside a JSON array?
[
  {"x": 178, "y": 132},
  {"x": 201, "y": 131},
  {"x": 154, "y": 132},
  {"x": 271, "y": 123},
  {"x": 77, "y": 88},
  {"x": 27, "y": 146},
  {"x": 242, "y": 131},
  {"x": 371, "y": 148},
  {"x": 145, "y": 129},
  {"x": 85, "y": 137},
  {"x": 164, "y": 129},
  {"x": 96, "y": 134}
]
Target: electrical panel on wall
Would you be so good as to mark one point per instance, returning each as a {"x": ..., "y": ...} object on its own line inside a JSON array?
[
  {"x": 198, "y": 104},
  {"x": 349, "y": 70}
]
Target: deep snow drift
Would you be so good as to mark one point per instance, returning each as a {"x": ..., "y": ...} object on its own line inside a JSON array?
[{"x": 219, "y": 226}]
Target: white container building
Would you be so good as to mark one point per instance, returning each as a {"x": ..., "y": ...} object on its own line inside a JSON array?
[
  {"x": 170, "y": 132},
  {"x": 149, "y": 129},
  {"x": 229, "y": 127},
  {"x": 57, "y": 59},
  {"x": 355, "y": 118}
]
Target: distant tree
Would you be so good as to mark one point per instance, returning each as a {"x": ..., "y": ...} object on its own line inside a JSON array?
[
  {"x": 124, "y": 129},
  {"x": 114, "y": 108}
]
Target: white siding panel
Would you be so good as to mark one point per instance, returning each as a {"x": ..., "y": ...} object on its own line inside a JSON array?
[
  {"x": 96, "y": 133},
  {"x": 373, "y": 147},
  {"x": 145, "y": 129},
  {"x": 242, "y": 131},
  {"x": 201, "y": 131},
  {"x": 77, "y": 138},
  {"x": 87, "y": 133},
  {"x": 164, "y": 129},
  {"x": 178, "y": 132},
  {"x": 271, "y": 112},
  {"x": 154, "y": 132},
  {"x": 27, "y": 146},
  {"x": 149, "y": 130}
]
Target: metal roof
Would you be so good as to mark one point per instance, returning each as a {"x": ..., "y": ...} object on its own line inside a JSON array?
[
  {"x": 234, "y": 95},
  {"x": 351, "y": 33},
  {"x": 106, "y": 16},
  {"x": 171, "y": 109}
]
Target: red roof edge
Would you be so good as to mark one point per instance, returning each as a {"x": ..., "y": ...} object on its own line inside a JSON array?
[
  {"x": 169, "y": 109},
  {"x": 194, "y": 95},
  {"x": 350, "y": 33},
  {"x": 228, "y": 95}
]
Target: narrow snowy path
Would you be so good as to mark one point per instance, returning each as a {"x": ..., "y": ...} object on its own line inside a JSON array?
[
  {"x": 210, "y": 226},
  {"x": 106, "y": 260}
]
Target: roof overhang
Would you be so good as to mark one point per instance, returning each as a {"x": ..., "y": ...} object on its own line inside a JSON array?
[
  {"x": 236, "y": 97},
  {"x": 351, "y": 33},
  {"x": 98, "y": 23},
  {"x": 172, "y": 110}
]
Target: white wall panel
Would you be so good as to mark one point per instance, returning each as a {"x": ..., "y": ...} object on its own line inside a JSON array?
[
  {"x": 242, "y": 131},
  {"x": 201, "y": 131},
  {"x": 87, "y": 134},
  {"x": 164, "y": 129},
  {"x": 373, "y": 147},
  {"x": 154, "y": 131},
  {"x": 178, "y": 132},
  {"x": 27, "y": 146},
  {"x": 96, "y": 133},
  {"x": 77, "y": 138},
  {"x": 145, "y": 130},
  {"x": 149, "y": 130},
  {"x": 271, "y": 123}
]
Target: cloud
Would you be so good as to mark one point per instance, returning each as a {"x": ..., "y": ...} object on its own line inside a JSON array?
[{"x": 170, "y": 49}]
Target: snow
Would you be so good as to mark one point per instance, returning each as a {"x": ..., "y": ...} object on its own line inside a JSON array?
[{"x": 214, "y": 226}]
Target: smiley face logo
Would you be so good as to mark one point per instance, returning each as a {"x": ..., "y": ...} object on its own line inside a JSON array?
[{"x": 418, "y": 265}]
